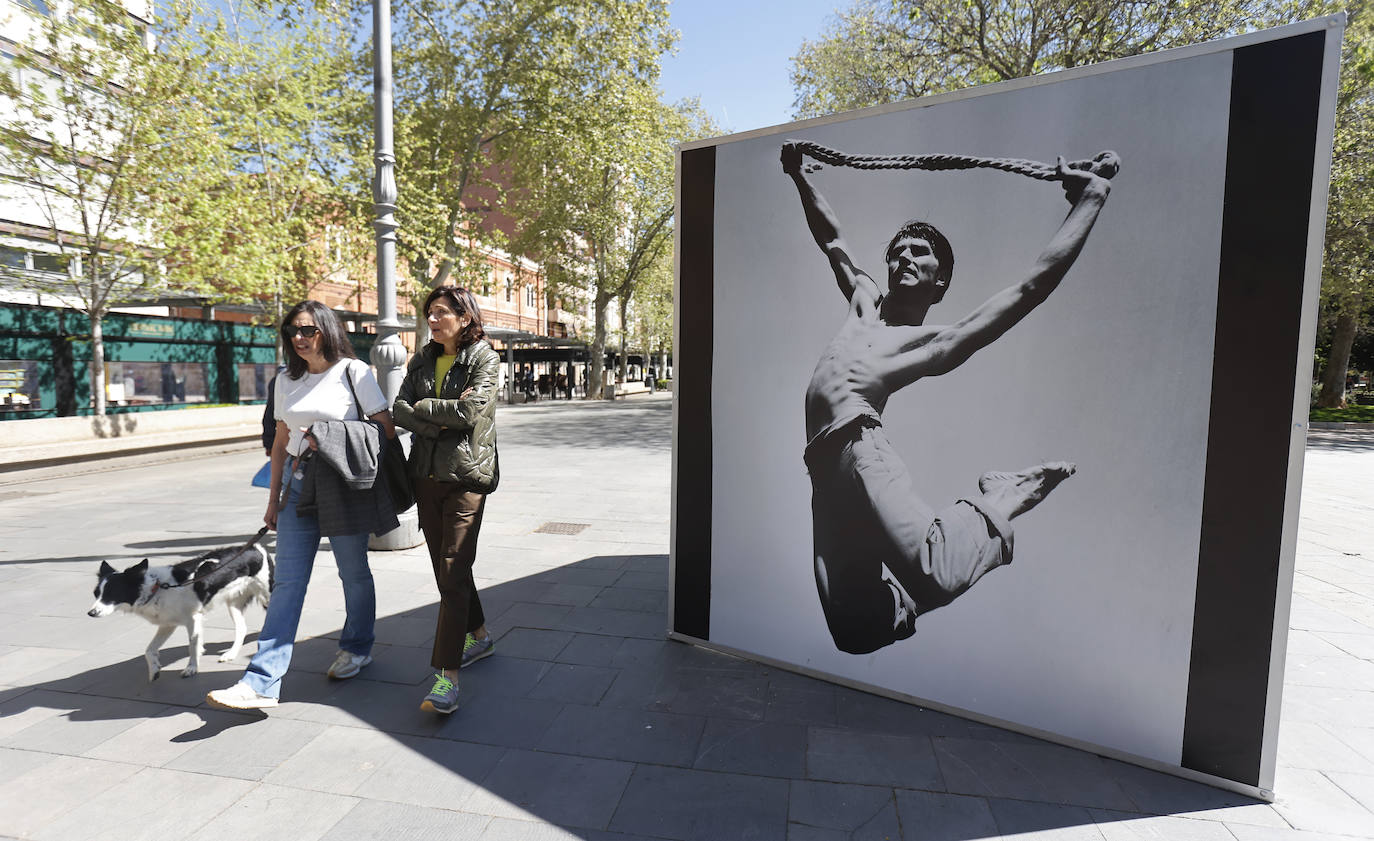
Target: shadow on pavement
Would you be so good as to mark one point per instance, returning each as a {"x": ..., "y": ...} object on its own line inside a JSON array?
[
  {"x": 1340, "y": 441},
  {"x": 209, "y": 541},
  {"x": 589, "y": 719},
  {"x": 645, "y": 425},
  {"x": 121, "y": 560}
]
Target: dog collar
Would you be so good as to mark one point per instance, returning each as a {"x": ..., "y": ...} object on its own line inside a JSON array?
[{"x": 158, "y": 585}]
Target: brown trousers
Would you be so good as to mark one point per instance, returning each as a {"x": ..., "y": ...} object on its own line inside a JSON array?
[{"x": 450, "y": 519}]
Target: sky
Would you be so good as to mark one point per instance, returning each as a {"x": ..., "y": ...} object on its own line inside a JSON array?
[{"x": 736, "y": 55}]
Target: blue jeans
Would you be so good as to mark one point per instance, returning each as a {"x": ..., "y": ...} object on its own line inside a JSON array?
[{"x": 298, "y": 539}]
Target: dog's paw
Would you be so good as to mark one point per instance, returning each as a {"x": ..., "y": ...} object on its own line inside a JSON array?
[
  {"x": 228, "y": 656},
  {"x": 189, "y": 671},
  {"x": 154, "y": 674}
]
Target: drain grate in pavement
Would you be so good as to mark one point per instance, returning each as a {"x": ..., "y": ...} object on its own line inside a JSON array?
[{"x": 561, "y": 528}]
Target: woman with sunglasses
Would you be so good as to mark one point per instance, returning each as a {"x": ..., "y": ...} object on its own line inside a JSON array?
[
  {"x": 448, "y": 400},
  {"x": 323, "y": 381}
]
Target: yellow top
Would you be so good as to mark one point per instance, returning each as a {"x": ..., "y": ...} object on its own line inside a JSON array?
[{"x": 441, "y": 366}]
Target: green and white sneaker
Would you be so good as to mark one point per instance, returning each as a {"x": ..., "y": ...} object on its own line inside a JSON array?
[
  {"x": 443, "y": 698},
  {"x": 475, "y": 649}
]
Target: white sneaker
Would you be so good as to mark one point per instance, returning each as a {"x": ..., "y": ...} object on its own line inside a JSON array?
[
  {"x": 347, "y": 665},
  {"x": 240, "y": 696}
]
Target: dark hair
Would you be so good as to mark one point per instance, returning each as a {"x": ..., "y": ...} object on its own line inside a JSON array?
[
  {"x": 462, "y": 302},
  {"x": 939, "y": 246},
  {"x": 334, "y": 342}
]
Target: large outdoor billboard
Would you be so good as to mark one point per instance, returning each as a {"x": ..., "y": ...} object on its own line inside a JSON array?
[{"x": 996, "y": 400}]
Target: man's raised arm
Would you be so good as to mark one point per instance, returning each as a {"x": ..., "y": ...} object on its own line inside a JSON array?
[
  {"x": 825, "y": 227},
  {"x": 953, "y": 346}
]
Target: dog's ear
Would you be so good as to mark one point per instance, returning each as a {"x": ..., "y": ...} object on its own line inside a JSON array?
[
  {"x": 105, "y": 569},
  {"x": 141, "y": 566}
]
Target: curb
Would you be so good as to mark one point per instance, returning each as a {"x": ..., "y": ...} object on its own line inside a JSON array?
[
  {"x": 1339, "y": 425},
  {"x": 75, "y": 452}
]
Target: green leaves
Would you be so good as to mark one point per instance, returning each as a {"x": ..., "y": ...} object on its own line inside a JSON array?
[
  {"x": 490, "y": 94},
  {"x": 275, "y": 89},
  {"x": 602, "y": 217},
  {"x": 885, "y": 50},
  {"x": 1348, "y": 269}
]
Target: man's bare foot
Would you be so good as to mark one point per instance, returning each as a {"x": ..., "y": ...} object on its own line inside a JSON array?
[{"x": 1016, "y": 493}]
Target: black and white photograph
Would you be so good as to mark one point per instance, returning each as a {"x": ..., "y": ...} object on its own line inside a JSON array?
[
  {"x": 865, "y": 513},
  {"x": 963, "y": 361}
]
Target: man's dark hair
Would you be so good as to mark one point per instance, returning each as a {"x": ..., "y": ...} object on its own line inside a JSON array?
[
  {"x": 939, "y": 246},
  {"x": 334, "y": 341},
  {"x": 462, "y": 301}
]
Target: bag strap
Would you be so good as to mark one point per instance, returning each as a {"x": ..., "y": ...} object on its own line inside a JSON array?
[{"x": 348, "y": 375}]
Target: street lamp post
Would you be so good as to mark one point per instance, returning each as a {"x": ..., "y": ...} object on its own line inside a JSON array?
[{"x": 388, "y": 354}]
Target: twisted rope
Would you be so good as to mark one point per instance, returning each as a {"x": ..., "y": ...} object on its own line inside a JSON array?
[{"x": 1105, "y": 164}]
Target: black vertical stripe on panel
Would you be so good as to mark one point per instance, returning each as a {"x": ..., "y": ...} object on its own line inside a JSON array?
[
  {"x": 1275, "y": 94},
  {"x": 692, "y": 359}
]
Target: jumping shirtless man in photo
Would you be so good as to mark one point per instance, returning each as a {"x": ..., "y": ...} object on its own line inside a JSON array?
[{"x": 866, "y": 515}]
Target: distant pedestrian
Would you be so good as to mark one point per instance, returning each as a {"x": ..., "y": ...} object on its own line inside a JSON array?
[{"x": 448, "y": 400}]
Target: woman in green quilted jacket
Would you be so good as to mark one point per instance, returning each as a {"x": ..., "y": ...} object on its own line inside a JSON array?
[{"x": 448, "y": 402}]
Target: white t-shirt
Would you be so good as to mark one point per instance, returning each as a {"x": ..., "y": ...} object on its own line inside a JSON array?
[{"x": 325, "y": 396}]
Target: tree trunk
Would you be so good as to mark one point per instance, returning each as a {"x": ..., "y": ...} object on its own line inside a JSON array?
[
  {"x": 1332, "y": 395},
  {"x": 422, "y": 334},
  {"x": 419, "y": 273},
  {"x": 624, "y": 360},
  {"x": 597, "y": 367},
  {"x": 281, "y": 312},
  {"x": 97, "y": 363}
]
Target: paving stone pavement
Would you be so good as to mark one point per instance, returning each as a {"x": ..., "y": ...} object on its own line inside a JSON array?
[{"x": 587, "y": 723}]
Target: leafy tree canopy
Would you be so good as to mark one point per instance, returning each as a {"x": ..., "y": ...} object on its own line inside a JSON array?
[
  {"x": 488, "y": 95},
  {"x": 272, "y": 184},
  {"x": 885, "y": 50},
  {"x": 602, "y": 218}
]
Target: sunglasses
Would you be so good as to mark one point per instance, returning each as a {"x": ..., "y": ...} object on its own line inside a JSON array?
[{"x": 308, "y": 331}]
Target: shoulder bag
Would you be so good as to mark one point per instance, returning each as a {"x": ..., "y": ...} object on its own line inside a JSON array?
[{"x": 392, "y": 470}]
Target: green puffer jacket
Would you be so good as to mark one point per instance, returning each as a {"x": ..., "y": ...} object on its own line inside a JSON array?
[{"x": 455, "y": 436}]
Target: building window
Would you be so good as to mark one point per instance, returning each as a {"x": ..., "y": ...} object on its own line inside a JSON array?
[
  {"x": 529, "y": 295},
  {"x": 19, "y": 385},
  {"x": 145, "y": 383},
  {"x": 510, "y": 286},
  {"x": 40, "y": 261},
  {"x": 10, "y": 67},
  {"x": 254, "y": 378},
  {"x": 55, "y": 263},
  {"x": 39, "y": 6}
]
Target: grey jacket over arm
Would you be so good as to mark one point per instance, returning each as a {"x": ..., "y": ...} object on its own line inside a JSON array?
[{"x": 340, "y": 486}]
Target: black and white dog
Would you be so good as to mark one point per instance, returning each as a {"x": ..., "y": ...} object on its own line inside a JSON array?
[{"x": 178, "y": 595}]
